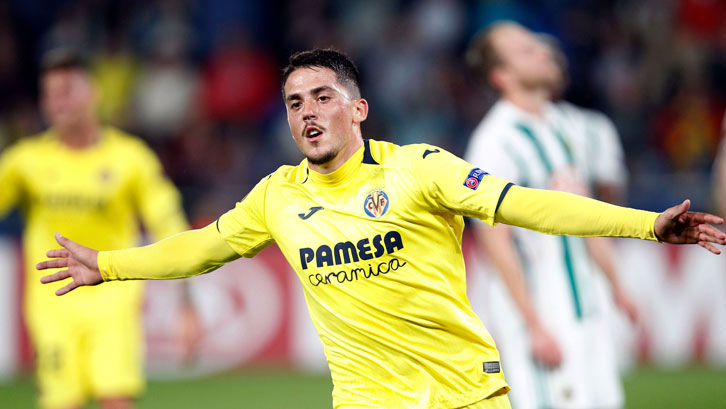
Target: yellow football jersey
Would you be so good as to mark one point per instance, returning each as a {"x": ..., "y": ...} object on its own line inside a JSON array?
[
  {"x": 377, "y": 247},
  {"x": 95, "y": 196}
]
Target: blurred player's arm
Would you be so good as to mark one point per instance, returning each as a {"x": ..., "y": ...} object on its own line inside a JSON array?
[
  {"x": 498, "y": 243},
  {"x": 186, "y": 254},
  {"x": 560, "y": 213},
  {"x": 601, "y": 252}
]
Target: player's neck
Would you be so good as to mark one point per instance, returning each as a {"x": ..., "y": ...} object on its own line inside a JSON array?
[
  {"x": 346, "y": 153},
  {"x": 530, "y": 101},
  {"x": 81, "y": 136}
]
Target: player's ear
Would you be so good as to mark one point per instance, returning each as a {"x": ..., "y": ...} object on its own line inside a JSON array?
[{"x": 360, "y": 112}]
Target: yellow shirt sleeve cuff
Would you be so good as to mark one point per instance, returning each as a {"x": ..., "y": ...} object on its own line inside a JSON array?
[
  {"x": 104, "y": 266},
  {"x": 649, "y": 226}
]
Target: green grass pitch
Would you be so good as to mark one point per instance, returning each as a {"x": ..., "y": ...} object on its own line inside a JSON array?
[{"x": 693, "y": 388}]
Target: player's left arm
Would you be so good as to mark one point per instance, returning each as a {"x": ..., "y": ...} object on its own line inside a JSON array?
[
  {"x": 562, "y": 213},
  {"x": 451, "y": 184}
]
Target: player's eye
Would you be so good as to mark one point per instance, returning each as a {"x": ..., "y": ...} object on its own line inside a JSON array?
[
  {"x": 323, "y": 98},
  {"x": 295, "y": 105}
]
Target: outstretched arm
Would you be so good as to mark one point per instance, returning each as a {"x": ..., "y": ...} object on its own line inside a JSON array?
[
  {"x": 554, "y": 212},
  {"x": 186, "y": 254}
]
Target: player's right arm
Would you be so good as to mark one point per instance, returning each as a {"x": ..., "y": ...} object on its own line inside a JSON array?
[
  {"x": 183, "y": 255},
  {"x": 239, "y": 232}
]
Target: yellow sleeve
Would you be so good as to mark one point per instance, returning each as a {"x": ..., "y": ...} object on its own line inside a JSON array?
[
  {"x": 244, "y": 228},
  {"x": 157, "y": 200},
  {"x": 552, "y": 212},
  {"x": 10, "y": 183},
  {"x": 451, "y": 184},
  {"x": 186, "y": 254}
]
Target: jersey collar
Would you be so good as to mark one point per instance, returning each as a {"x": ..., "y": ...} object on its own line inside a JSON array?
[{"x": 344, "y": 173}]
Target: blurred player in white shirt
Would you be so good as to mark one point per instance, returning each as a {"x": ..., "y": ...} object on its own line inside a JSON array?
[{"x": 551, "y": 326}]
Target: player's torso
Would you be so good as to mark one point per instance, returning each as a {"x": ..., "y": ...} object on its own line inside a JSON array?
[
  {"x": 378, "y": 272},
  {"x": 367, "y": 239}
]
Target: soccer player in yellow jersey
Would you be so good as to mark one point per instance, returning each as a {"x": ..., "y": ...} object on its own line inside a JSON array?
[
  {"x": 373, "y": 231},
  {"x": 91, "y": 182}
]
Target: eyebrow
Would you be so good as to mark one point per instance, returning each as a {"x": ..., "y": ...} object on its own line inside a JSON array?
[{"x": 314, "y": 91}]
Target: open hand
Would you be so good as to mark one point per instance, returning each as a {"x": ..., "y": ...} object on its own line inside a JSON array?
[
  {"x": 679, "y": 226},
  {"x": 80, "y": 262}
]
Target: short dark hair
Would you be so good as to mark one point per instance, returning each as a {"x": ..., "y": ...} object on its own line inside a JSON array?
[
  {"x": 481, "y": 55},
  {"x": 345, "y": 70},
  {"x": 63, "y": 58}
]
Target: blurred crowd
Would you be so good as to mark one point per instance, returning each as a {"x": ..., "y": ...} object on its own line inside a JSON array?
[{"x": 199, "y": 79}]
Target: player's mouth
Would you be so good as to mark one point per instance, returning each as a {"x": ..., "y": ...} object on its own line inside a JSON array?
[{"x": 313, "y": 133}]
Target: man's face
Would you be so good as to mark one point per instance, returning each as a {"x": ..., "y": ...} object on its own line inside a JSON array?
[
  {"x": 525, "y": 59},
  {"x": 321, "y": 114},
  {"x": 67, "y": 97}
]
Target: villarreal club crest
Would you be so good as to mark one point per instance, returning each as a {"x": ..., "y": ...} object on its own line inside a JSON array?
[{"x": 376, "y": 204}]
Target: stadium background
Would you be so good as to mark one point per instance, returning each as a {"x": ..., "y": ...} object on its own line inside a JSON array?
[{"x": 199, "y": 80}]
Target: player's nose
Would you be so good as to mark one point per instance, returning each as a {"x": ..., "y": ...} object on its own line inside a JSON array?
[
  {"x": 309, "y": 113},
  {"x": 309, "y": 108}
]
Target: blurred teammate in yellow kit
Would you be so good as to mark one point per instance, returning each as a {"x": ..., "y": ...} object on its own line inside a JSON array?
[{"x": 93, "y": 183}]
